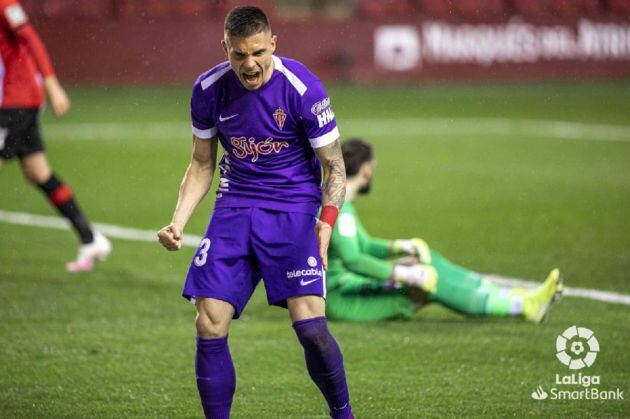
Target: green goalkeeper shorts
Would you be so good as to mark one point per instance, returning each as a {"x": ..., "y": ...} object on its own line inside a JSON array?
[{"x": 368, "y": 305}]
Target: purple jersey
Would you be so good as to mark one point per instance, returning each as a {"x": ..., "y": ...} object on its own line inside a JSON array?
[{"x": 268, "y": 135}]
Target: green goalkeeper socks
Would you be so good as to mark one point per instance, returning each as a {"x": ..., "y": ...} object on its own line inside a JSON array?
[
  {"x": 504, "y": 303},
  {"x": 467, "y": 292},
  {"x": 457, "y": 287}
]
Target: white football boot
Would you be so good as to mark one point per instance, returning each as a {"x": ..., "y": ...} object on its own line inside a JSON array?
[{"x": 99, "y": 249}]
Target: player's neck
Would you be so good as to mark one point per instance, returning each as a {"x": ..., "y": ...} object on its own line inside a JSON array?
[
  {"x": 352, "y": 190},
  {"x": 269, "y": 73}
]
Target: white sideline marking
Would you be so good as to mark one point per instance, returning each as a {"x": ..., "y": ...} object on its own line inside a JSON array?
[
  {"x": 606, "y": 296},
  {"x": 134, "y": 234},
  {"x": 382, "y": 127},
  {"x": 110, "y": 230}
]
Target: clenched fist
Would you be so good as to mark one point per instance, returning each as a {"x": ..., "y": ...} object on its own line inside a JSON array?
[{"x": 171, "y": 237}]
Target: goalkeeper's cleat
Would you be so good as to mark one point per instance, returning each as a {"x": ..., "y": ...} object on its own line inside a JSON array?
[
  {"x": 538, "y": 302},
  {"x": 88, "y": 253}
]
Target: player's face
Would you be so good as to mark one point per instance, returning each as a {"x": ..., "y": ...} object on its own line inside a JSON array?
[
  {"x": 251, "y": 57},
  {"x": 367, "y": 174}
]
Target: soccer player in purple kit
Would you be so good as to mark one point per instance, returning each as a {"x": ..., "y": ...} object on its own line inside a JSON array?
[{"x": 274, "y": 121}]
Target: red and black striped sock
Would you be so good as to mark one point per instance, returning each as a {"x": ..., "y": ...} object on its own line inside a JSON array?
[{"x": 61, "y": 196}]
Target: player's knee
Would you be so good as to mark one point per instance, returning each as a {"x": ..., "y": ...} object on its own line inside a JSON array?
[
  {"x": 36, "y": 168},
  {"x": 35, "y": 176},
  {"x": 208, "y": 328},
  {"x": 315, "y": 337},
  {"x": 31, "y": 177}
]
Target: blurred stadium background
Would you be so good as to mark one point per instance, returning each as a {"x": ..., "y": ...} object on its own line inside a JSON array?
[
  {"x": 119, "y": 41},
  {"x": 502, "y": 131}
]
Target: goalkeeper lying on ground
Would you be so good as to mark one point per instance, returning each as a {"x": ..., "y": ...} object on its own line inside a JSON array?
[{"x": 365, "y": 282}]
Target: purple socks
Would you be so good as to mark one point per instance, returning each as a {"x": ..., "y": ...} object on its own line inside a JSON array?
[
  {"x": 216, "y": 378},
  {"x": 325, "y": 364}
]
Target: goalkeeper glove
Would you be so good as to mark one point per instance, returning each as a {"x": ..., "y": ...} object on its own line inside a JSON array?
[
  {"x": 420, "y": 276},
  {"x": 415, "y": 247}
]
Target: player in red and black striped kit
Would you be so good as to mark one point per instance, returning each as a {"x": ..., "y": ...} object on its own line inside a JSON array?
[{"x": 25, "y": 72}]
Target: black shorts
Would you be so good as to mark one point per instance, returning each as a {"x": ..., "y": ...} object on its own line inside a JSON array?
[{"x": 19, "y": 132}]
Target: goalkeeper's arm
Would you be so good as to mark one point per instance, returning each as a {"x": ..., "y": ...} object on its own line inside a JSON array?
[
  {"x": 362, "y": 263},
  {"x": 374, "y": 246},
  {"x": 383, "y": 248},
  {"x": 384, "y": 274}
]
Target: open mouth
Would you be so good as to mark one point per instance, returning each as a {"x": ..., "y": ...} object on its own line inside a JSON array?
[{"x": 252, "y": 78}]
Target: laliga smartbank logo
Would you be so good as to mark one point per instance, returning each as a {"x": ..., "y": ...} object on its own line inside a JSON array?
[{"x": 576, "y": 348}]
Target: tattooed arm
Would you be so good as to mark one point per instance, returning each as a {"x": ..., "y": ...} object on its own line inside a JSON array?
[{"x": 333, "y": 191}]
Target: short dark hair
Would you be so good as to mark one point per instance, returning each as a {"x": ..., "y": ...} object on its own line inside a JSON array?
[
  {"x": 356, "y": 152},
  {"x": 244, "y": 21}
]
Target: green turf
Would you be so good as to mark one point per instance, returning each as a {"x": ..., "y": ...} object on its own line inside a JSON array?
[{"x": 118, "y": 342}]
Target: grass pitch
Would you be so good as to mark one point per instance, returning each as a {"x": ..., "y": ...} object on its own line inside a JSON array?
[{"x": 484, "y": 173}]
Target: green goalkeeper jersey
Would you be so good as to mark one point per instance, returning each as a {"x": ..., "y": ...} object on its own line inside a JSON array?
[
  {"x": 357, "y": 269},
  {"x": 352, "y": 250}
]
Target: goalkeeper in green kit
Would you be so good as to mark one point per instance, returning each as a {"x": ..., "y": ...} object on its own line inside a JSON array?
[{"x": 373, "y": 279}]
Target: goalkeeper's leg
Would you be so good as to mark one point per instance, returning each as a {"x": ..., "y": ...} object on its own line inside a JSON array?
[{"x": 467, "y": 292}]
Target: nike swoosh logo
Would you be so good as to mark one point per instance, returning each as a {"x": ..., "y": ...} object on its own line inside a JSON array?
[
  {"x": 227, "y": 117},
  {"x": 304, "y": 283}
]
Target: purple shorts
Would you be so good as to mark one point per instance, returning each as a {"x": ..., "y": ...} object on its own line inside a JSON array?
[{"x": 244, "y": 245}]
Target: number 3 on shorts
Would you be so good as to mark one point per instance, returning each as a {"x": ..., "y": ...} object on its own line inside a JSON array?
[{"x": 202, "y": 255}]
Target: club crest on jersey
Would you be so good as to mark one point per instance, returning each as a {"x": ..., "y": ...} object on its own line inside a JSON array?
[
  {"x": 280, "y": 116},
  {"x": 245, "y": 147}
]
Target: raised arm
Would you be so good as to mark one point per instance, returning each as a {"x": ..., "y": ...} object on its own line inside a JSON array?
[
  {"x": 333, "y": 194},
  {"x": 195, "y": 185}
]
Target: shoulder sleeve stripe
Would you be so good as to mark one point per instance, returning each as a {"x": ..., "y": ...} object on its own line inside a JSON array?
[
  {"x": 210, "y": 80},
  {"x": 325, "y": 139},
  {"x": 293, "y": 79},
  {"x": 204, "y": 134}
]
